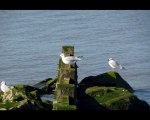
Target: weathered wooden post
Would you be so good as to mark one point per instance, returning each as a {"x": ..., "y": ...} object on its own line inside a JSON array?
[{"x": 65, "y": 91}]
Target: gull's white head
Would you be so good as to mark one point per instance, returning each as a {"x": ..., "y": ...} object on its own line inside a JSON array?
[
  {"x": 3, "y": 83},
  {"x": 109, "y": 59},
  {"x": 62, "y": 55}
]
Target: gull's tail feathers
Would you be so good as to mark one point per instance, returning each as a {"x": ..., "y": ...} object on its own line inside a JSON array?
[
  {"x": 78, "y": 57},
  {"x": 121, "y": 67}
]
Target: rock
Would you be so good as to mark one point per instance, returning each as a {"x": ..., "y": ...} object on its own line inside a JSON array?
[
  {"x": 108, "y": 79},
  {"x": 48, "y": 105},
  {"x": 108, "y": 91},
  {"x": 7, "y": 96},
  {"x": 114, "y": 98},
  {"x": 22, "y": 97},
  {"x": 46, "y": 86}
]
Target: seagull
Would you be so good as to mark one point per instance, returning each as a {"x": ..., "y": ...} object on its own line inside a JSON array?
[
  {"x": 114, "y": 64},
  {"x": 70, "y": 59},
  {"x": 4, "y": 87}
]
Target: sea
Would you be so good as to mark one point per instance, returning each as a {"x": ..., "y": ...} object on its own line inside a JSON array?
[{"x": 31, "y": 42}]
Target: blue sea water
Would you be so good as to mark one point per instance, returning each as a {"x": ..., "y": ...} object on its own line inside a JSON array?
[{"x": 31, "y": 42}]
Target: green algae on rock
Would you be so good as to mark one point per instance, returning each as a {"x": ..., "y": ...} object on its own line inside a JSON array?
[
  {"x": 22, "y": 97},
  {"x": 114, "y": 98},
  {"x": 108, "y": 91},
  {"x": 108, "y": 79}
]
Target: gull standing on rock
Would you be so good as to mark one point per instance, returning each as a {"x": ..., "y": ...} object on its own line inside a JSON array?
[
  {"x": 114, "y": 64},
  {"x": 4, "y": 87},
  {"x": 69, "y": 59}
]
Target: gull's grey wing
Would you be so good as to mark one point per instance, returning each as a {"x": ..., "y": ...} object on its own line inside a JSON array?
[
  {"x": 72, "y": 58},
  {"x": 69, "y": 58}
]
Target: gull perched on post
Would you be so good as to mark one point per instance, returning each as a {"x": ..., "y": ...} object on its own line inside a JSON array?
[
  {"x": 114, "y": 64},
  {"x": 4, "y": 87},
  {"x": 69, "y": 59}
]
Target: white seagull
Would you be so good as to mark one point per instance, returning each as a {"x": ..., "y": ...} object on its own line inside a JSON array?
[
  {"x": 69, "y": 59},
  {"x": 4, "y": 87},
  {"x": 114, "y": 64}
]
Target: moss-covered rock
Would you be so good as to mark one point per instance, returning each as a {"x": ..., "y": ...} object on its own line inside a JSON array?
[
  {"x": 46, "y": 86},
  {"x": 108, "y": 91},
  {"x": 22, "y": 97},
  {"x": 114, "y": 98},
  {"x": 108, "y": 79}
]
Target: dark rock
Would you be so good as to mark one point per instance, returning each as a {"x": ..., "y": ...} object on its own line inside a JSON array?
[
  {"x": 109, "y": 79},
  {"x": 108, "y": 91},
  {"x": 46, "y": 86}
]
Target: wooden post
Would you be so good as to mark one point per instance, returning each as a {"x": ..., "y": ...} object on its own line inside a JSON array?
[{"x": 65, "y": 96}]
